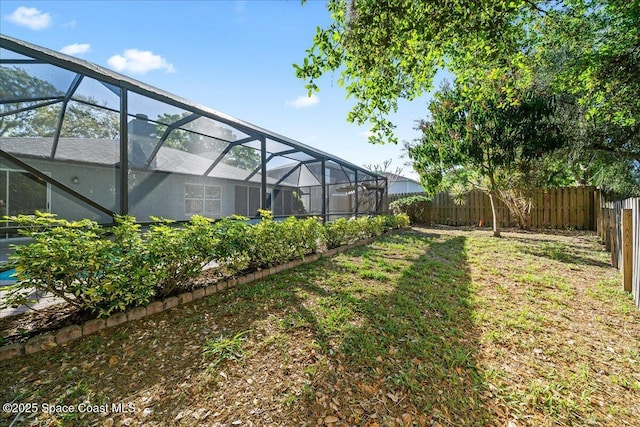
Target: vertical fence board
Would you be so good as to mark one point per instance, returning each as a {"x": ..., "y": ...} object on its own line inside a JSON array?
[
  {"x": 593, "y": 212},
  {"x": 614, "y": 240},
  {"x": 533, "y": 222},
  {"x": 544, "y": 208},
  {"x": 636, "y": 250},
  {"x": 541, "y": 220},
  {"x": 552, "y": 197},
  {"x": 445, "y": 210},
  {"x": 452, "y": 211},
  {"x": 573, "y": 207},
  {"x": 598, "y": 208},
  {"x": 564, "y": 193},
  {"x": 580, "y": 208},
  {"x": 478, "y": 210},
  {"x": 473, "y": 211},
  {"x": 587, "y": 214},
  {"x": 627, "y": 249},
  {"x": 606, "y": 229}
]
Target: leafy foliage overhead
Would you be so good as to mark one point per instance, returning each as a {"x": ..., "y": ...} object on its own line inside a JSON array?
[{"x": 392, "y": 49}]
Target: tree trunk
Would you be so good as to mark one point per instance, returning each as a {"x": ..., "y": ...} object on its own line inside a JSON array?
[{"x": 496, "y": 230}]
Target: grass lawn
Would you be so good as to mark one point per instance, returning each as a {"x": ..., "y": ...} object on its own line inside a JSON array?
[{"x": 431, "y": 326}]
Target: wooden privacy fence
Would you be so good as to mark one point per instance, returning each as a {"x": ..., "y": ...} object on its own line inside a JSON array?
[
  {"x": 619, "y": 228},
  {"x": 567, "y": 207},
  {"x": 581, "y": 208}
]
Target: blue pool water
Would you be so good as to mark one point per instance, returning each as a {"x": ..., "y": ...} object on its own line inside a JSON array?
[{"x": 6, "y": 275}]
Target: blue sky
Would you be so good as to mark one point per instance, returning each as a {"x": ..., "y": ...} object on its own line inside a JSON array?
[{"x": 233, "y": 56}]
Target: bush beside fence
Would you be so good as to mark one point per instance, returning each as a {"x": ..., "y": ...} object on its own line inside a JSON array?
[{"x": 417, "y": 207}]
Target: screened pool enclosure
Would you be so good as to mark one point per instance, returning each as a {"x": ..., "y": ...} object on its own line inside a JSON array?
[{"x": 81, "y": 141}]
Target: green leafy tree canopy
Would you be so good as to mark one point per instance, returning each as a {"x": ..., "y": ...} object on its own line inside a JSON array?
[
  {"x": 392, "y": 49},
  {"x": 488, "y": 141}
]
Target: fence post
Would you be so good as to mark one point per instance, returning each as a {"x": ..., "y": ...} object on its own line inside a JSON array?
[
  {"x": 613, "y": 238},
  {"x": 627, "y": 249},
  {"x": 606, "y": 229},
  {"x": 597, "y": 213}
]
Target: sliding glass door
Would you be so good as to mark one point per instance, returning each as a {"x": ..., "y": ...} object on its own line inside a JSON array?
[{"x": 22, "y": 193}]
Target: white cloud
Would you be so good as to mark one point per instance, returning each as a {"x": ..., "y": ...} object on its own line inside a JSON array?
[
  {"x": 70, "y": 24},
  {"x": 76, "y": 49},
  {"x": 303, "y": 101},
  {"x": 30, "y": 17},
  {"x": 139, "y": 62}
]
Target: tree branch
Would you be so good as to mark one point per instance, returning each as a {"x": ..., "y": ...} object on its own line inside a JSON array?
[
  {"x": 624, "y": 153},
  {"x": 536, "y": 7}
]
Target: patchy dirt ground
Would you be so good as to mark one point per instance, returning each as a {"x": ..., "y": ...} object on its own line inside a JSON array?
[{"x": 434, "y": 327}]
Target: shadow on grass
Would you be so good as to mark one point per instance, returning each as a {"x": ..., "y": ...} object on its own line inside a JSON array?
[
  {"x": 413, "y": 348},
  {"x": 385, "y": 331},
  {"x": 558, "y": 251}
]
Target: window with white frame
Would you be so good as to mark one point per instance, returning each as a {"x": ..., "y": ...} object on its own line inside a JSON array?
[{"x": 202, "y": 199}]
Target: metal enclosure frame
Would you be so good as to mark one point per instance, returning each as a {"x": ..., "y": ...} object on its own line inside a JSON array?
[{"x": 283, "y": 164}]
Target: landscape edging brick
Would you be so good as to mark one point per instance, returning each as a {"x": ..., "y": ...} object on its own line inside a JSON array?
[{"x": 73, "y": 332}]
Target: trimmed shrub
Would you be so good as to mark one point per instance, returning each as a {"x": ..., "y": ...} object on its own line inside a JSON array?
[
  {"x": 75, "y": 261},
  {"x": 233, "y": 245},
  {"x": 417, "y": 208},
  {"x": 276, "y": 242},
  {"x": 305, "y": 235},
  {"x": 129, "y": 269},
  {"x": 374, "y": 226},
  {"x": 341, "y": 232},
  {"x": 79, "y": 262},
  {"x": 270, "y": 242},
  {"x": 401, "y": 220},
  {"x": 177, "y": 254}
]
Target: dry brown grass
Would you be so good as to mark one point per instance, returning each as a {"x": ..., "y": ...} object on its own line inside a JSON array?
[{"x": 429, "y": 327}]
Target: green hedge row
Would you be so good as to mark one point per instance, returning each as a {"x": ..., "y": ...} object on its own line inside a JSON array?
[
  {"x": 103, "y": 270},
  {"x": 417, "y": 208}
]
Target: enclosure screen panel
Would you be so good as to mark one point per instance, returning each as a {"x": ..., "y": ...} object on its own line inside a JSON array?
[
  {"x": 286, "y": 202},
  {"x": 85, "y": 121},
  {"x": 34, "y": 81},
  {"x": 341, "y": 199},
  {"x": 239, "y": 163},
  {"x": 312, "y": 199},
  {"x": 22, "y": 192},
  {"x": 247, "y": 201},
  {"x": 96, "y": 93},
  {"x": 214, "y": 128}
]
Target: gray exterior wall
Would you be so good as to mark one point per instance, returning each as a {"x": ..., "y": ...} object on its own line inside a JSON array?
[{"x": 159, "y": 194}]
